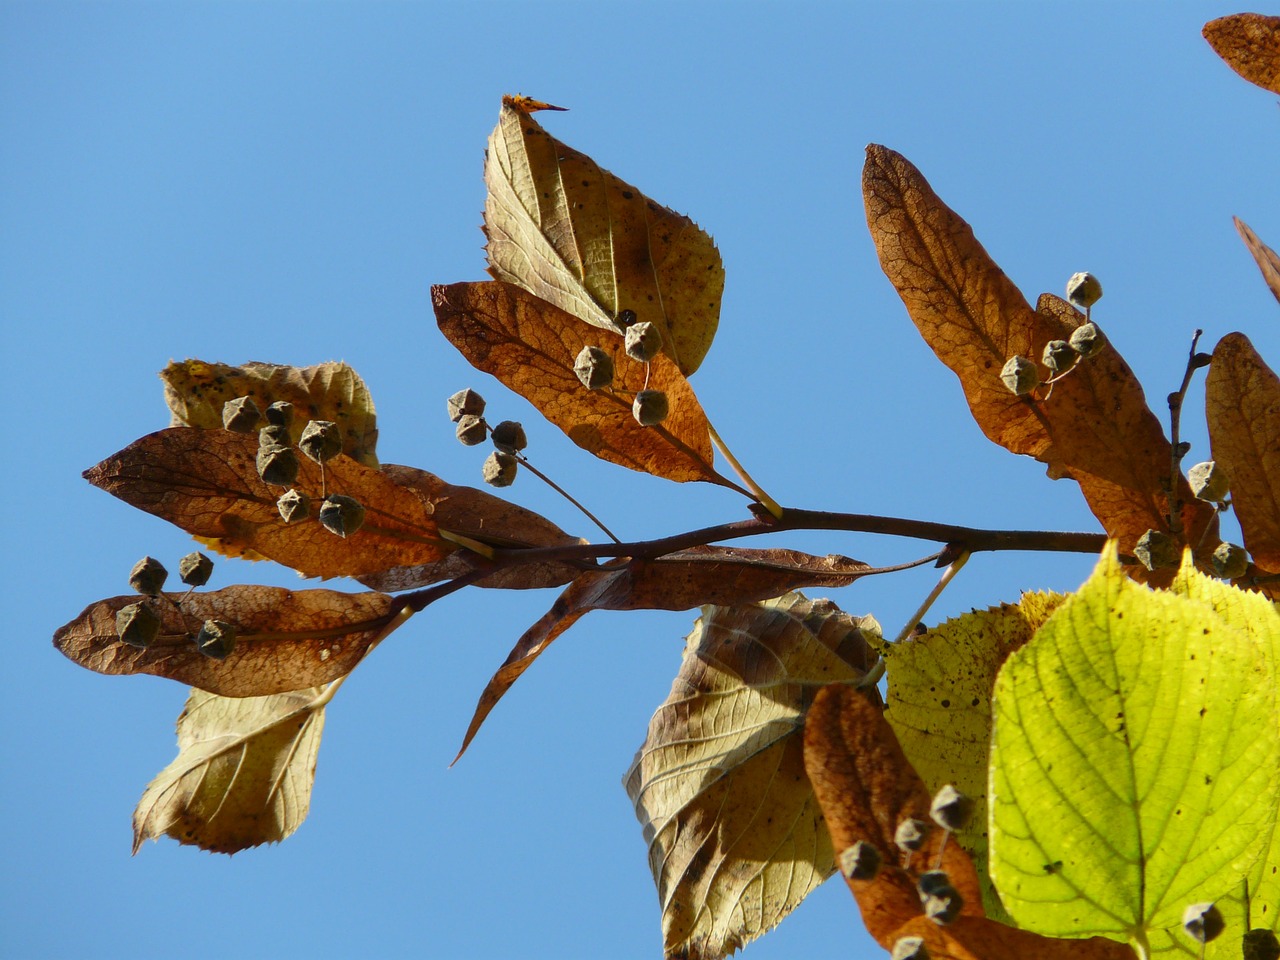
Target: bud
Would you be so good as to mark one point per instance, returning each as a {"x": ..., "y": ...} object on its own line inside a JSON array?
[
  {"x": 240, "y": 415},
  {"x": 625, "y": 318},
  {"x": 508, "y": 436},
  {"x": 1020, "y": 375},
  {"x": 594, "y": 367},
  {"x": 860, "y": 861},
  {"x": 650, "y": 407},
  {"x": 137, "y": 624},
  {"x": 1158, "y": 551},
  {"x": 321, "y": 440},
  {"x": 499, "y": 469},
  {"x": 280, "y": 414},
  {"x": 471, "y": 429},
  {"x": 1209, "y": 482},
  {"x": 195, "y": 569},
  {"x": 465, "y": 402},
  {"x": 644, "y": 340},
  {"x": 1087, "y": 340},
  {"x": 1058, "y": 356},
  {"x": 910, "y": 948},
  {"x": 216, "y": 639},
  {"x": 1084, "y": 290},
  {"x": 1229, "y": 561},
  {"x": 293, "y": 506},
  {"x": 1261, "y": 944},
  {"x": 341, "y": 515},
  {"x": 148, "y": 576},
  {"x": 951, "y": 809},
  {"x": 910, "y": 834},
  {"x": 1203, "y": 921}
]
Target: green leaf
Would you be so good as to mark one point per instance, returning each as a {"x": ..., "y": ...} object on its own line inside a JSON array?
[{"x": 1134, "y": 762}]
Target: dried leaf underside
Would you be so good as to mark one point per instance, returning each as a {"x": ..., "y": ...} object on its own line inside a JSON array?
[{"x": 1267, "y": 259}]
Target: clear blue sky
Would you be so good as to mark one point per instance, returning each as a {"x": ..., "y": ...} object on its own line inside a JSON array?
[{"x": 283, "y": 182}]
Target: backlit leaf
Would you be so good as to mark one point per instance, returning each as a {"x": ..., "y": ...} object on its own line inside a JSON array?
[
  {"x": 1267, "y": 259},
  {"x": 1250, "y": 44},
  {"x": 578, "y": 237}
]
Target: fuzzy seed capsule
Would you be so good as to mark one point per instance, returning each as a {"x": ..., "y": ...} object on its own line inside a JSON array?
[
  {"x": 137, "y": 624},
  {"x": 499, "y": 469},
  {"x": 860, "y": 861},
  {"x": 277, "y": 465},
  {"x": 471, "y": 429},
  {"x": 240, "y": 415},
  {"x": 465, "y": 402},
  {"x": 216, "y": 639},
  {"x": 321, "y": 440},
  {"x": 1261, "y": 944},
  {"x": 1203, "y": 921},
  {"x": 911, "y": 834},
  {"x": 1158, "y": 551},
  {"x": 910, "y": 948},
  {"x": 293, "y": 506},
  {"x": 148, "y": 576},
  {"x": 951, "y": 809},
  {"x": 1209, "y": 482},
  {"x": 280, "y": 414},
  {"x": 195, "y": 569},
  {"x": 275, "y": 436},
  {"x": 341, "y": 515},
  {"x": 1229, "y": 561},
  {"x": 644, "y": 341},
  {"x": 650, "y": 407},
  {"x": 594, "y": 368},
  {"x": 933, "y": 883},
  {"x": 942, "y": 909},
  {"x": 1084, "y": 290},
  {"x": 1087, "y": 340},
  {"x": 1020, "y": 376},
  {"x": 1058, "y": 356},
  {"x": 508, "y": 436}
]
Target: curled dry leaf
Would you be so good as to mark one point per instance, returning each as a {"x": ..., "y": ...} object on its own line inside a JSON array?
[
  {"x": 578, "y": 237},
  {"x": 531, "y": 347},
  {"x": 1096, "y": 428},
  {"x": 285, "y": 639},
  {"x": 1250, "y": 45},
  {"x": 1267, "y": 259},
  {"x": 866, "y": 788},
  {"x": 195, "y": 392},
  {"x": 736, "y": 839},
  {"x": 678, "y": 581},
  {"x": 1242, "y": 407},
  {"x": 207, "y": 483},
  {"x": 243, "y": 773}
]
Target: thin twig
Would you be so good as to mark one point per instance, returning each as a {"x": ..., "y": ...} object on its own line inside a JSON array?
[
  {"x": 564, "y": 493},
  {"x": 1175, "y": 418}
]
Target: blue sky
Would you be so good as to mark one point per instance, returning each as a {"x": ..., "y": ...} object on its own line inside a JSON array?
[{"x": 283, "y": 182}]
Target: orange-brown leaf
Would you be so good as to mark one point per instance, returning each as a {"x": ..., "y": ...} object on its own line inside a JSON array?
[
  {"x": 1267, "y": 259},
  {"x": 1250, "y": 44},
  {"x": 1096, "y": 427},
  {"x": 207, "y": 483},
  {"x": 286, "y": 639},
  {"x": 531, "y": 347},
  {"x": 1242, "y": 406}
]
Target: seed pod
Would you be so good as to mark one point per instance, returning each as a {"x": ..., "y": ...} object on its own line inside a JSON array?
[
  {"x": 594, "y": 367},
  {"x": 650, "y": 407},
  {"x": 216, "y": 639},
  {"x": 277, "y": 465},
  {"x": 1020, "y": 376},
  {"x": 860, "y": 861},
  {"x": 465, "y": 402},
  {"x": 275, "y": 437},
  {"x": 341, "y": 515},
  {"x": 499, "y": 469},
  {"x": 644, "y": 340},
  {"x": 293, "y": 506},
  {"x": 321, "y": 440},
  {"x": 1261, "y": 944},
  {"x": 933, "y": 883},
  {"x": 508, "y": 436},
  {"x": 137, "y": 624},
  {"x": 1158, "y": 551},
  {"x": 280, "y": 414},
  {"x": 240, "y": 415},
  {"x": 148, "y": 576},
  {"x": 1084, "y": 290},
  {"x": 471, "y": 429},
  {"x": 625, "y": 318},
  {"x": 910, "y": 948},
  {"x": 1087, "y": 340},
  {"x": 943, "y": 909},
  {"x": 1203, "y": 921},
  {"x": 951, "y": 809},
  {"x": 910, "y": 834},
  {"x": 1058, "y": 356},
  {"x": 1209, "y": 482},
  {"x": 195, "y": 569},
  {"x": 1229, "y": 561}
]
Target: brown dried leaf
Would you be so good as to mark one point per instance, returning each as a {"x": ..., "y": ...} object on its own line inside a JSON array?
[
  {"x": 736, "y": 839},
  {"x": 286, "y": 639},
  {"x": 1096, "y": 428},
  {"x": 1250, "y": 45},
  {"x": 195, "y": 392},
  {"x": 207, "y": 483},
  {"x": 1242, "y": 407},
  {"x": 578, "y": 237},
  {"x": 724, "y": 576},
  {"x": 243, "y": 773},
  {"x": 1267, "y": 259},
  {"x": 866, "y": 788},
  {"x": 531, "y": 346}
]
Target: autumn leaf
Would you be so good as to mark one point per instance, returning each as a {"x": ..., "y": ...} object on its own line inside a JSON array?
[
  {"x": 724, "y": 576},
  {"x": 285, "y": 639},
  {"x": 1250, "y": 45},
  {"x": 576, "y": 236},
  {"x": 531, "y": 347},
  {"x": 1096, "y": 427},
  {"x": 1268, "y": 260},
  {"x": 243, "y": 773},
  {"x": 1242, "y": 407},
  {"x": 207, "y": 483},
  {"x": 866, "y": 788},
  {"x": 195, "y": 392},
  {"x": 735, "y": 836}
]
